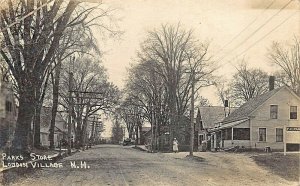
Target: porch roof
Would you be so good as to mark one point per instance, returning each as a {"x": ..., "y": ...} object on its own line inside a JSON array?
[{"x": 228, "y": 125}]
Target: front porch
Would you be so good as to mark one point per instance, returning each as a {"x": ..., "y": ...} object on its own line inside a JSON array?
[{"x": 230, "y": 135}]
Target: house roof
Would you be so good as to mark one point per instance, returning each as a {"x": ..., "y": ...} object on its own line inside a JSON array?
[
  {"x": 46, "y": 115},
  {"x": 211, "y": 115},
  {"x": 246, "y": 109},
  {"x": 228, "y": 125}
]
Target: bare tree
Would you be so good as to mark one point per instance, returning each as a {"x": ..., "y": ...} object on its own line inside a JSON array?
[
  {"x": 29, "y": 47},
  {"x": 177, "y": 54},
  {"x": 203, "y": 101},
  {"x": 287, "y": 58},
  {"x": 248, "y": 83},
  {"x": 147, "y": 94},
  {"x": 92, "y": 92},
  {"x": 76, "y": 40},
  {"x": 32, "y": 31},
  {"x": 128, "y": 112},
  {"x": 224, "y": 92}
]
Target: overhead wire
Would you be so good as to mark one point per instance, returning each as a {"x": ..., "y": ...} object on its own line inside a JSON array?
[
  {"x": 250, "y": 24},
  {"x": 254, "y": 32},
  {"x": 264, "y": 36}
]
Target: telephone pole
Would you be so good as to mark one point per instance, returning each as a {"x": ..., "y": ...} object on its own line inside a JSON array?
[
  {"x": 192, "y": 114},
  {"x": 70, "y": 113},
  {"x": 93, "y": 129},
  {"x": 152, "y": 126}
]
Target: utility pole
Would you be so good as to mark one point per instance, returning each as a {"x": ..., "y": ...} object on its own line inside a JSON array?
[
  {"x": 284, "y": 139},
  {"x": 85, "y": 122},
  {"x": 93, "y": 129},
  {"x": 192, "y": 114},
  {"x": 70, "y": 113},
  {"x": 152, "y": 126},
  {"x": 156, "y": 133}
]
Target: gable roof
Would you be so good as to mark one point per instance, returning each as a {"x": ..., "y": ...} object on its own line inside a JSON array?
[
  {"x": 211, "y": 115},
  {"x": 247, "y": 108},
  {"x": 46, "y": 116}
]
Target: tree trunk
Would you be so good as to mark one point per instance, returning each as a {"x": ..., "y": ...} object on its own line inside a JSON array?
[
  {"x": 55, "y": 103},
  {"x": 173, "y": 122},
  {"x": 78, "y": 132},
  {"x": 23, "y": 126},
  {"x": 37, "y": 112},
  {"x": 130, "y": 134},
  {"x": 37, "y": 125},
  {"x": 136, "y": 135},
  {"x": 140, "y": 130},
  {"x": 84, "y": 130}
]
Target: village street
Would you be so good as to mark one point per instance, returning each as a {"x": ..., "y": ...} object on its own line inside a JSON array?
[{"x": 118, "y": 165}]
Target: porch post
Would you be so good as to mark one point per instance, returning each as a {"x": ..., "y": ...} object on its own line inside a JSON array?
[
  {"x": 221, "y": 140},
  {"x": 284, "y": 139},
  {"x": 232, "y": 134}
]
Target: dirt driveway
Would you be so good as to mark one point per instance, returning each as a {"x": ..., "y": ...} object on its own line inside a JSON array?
[{"x": 236, "y": 169}]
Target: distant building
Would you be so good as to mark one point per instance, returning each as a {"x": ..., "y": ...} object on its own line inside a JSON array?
[
  {"x": 269, "y": 120},
  {"x": 207, "y": 117},
  {"x": 60, "y": 131},
  {"x": 143, "y": 135},
  {"x": 182, "y": 134},
  {"x": 8, "y": 113}
]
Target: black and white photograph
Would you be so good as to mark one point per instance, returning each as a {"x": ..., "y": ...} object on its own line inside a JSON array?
[{"x": 150, "y": 92}]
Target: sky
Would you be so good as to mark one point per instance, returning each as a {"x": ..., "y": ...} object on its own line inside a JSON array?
[{"x": 216, "y": 21}]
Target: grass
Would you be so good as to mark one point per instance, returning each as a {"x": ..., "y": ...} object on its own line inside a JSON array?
[{"x": 287, "y": 167}]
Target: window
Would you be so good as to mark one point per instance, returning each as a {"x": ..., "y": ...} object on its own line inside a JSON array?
[
  {"x": 273, "y": 111},
  {"x": 8, "y": 106},
  {"x": 262, "y": 132},
  {"x": 293, "y": 112},
  {"x": 279, "y": 135},
  {"x": 241, "y": 133},
  {"x": 226, "y": 134}
]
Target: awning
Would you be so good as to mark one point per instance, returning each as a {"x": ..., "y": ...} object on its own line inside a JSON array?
[{"x": 228, "y": 125}]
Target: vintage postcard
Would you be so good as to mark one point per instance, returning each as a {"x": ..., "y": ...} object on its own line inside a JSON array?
[{"x": 149, "y": 92}]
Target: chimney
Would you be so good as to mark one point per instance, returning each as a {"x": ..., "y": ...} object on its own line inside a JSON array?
[
  {"x": 271, "y": 83},
  {"x": 226, "y": 103}
]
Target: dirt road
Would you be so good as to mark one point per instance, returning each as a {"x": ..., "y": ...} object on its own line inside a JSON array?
[{"x": 117, "y": 165}]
